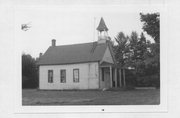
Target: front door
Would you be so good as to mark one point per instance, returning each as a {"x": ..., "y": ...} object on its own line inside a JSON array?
[{"x": 107, "y": 77}]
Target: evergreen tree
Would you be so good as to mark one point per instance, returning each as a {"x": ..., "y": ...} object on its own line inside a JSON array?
[{"x": 121, "y": 49}]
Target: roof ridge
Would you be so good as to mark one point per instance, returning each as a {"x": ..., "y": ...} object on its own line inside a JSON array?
[{"x": 75, "y": 44}]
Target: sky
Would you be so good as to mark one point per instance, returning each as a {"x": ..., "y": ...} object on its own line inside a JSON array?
[{"x": 70, "y": 25}]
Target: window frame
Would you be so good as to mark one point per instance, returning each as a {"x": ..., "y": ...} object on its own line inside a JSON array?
[
  {"x": 74, "y": 79},
  {"x": 61, "y": 75},
  {"x": 50, "y": 79}
]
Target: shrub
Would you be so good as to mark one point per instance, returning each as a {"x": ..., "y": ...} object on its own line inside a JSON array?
[
  {"x": 148, "y": 81},
  {"x": 130, "y": 78}
]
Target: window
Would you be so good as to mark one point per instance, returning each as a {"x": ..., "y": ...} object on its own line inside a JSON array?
[
  {"x": 63, "y": 76},
  {"x": 75, "y": 75},
  {"x": 50, "y": 76}
]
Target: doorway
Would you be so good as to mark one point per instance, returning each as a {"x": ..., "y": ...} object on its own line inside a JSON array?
[{"x": 105, "y": 79}]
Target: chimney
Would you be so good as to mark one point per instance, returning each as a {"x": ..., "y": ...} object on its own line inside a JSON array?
[{"x": 53, "y": 42}]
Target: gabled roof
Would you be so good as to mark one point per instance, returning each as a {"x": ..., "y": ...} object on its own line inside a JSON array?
[
  {"x": 76, "y": 53},
  {"x": 102, "y": 26}
]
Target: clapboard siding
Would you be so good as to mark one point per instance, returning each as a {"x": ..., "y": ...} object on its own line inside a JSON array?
[{"x": 88, "y": 76}]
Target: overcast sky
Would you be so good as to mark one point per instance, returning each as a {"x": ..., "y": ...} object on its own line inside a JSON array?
[{"x": 70, "y": 25}]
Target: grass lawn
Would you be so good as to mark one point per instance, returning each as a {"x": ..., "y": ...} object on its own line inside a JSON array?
[{"x": 88, "y": 97}]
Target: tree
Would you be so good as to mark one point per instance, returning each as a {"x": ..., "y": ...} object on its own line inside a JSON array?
[
  {"x": 121, "y": 49},
  {"x": 129, "y": 51},
  {"x": 151, "y": 25},
  {"x": 29, "y": 72},
  {"x": 141, "y": 54},
  {"x": 142, "y": 46},
  {"x": 138, "y": 49}
]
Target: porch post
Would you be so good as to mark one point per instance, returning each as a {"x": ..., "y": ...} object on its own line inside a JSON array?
[
  {"x": 120, "y": 84},
  {"x": 115, "y": 76},
  {"x": 111, "y": 77},
  {"x": 100, "y": 77}
]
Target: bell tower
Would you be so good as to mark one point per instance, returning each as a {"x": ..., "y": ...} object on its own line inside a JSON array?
[{"x": 102, "y": 31}]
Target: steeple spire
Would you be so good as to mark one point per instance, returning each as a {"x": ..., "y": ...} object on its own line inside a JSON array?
[
  {"x": 102, "y": 26},
  {"x": 102, "y": 31}
]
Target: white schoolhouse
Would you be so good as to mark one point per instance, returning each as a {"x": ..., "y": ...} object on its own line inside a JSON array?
[{"x": 80, "y": 66}]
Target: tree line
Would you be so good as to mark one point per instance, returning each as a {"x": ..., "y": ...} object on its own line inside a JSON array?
[
  {"x": 29, "y": 72},
  {"x": 140, "y": 55}
]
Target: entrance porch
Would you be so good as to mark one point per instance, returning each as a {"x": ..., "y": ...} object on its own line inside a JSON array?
[{"x": 111, "y": 76}]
